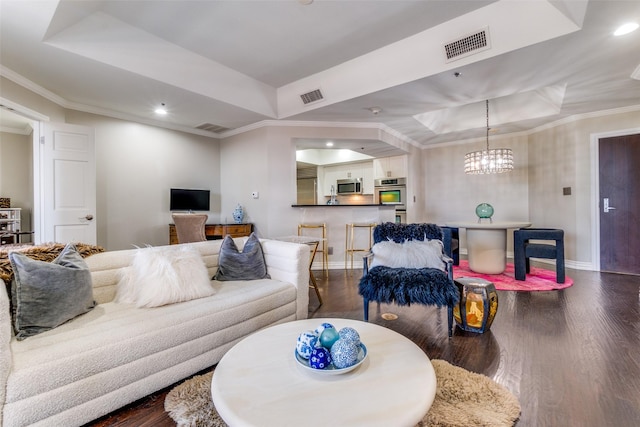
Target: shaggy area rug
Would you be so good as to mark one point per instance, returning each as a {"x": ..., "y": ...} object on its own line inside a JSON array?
[
  {"x": 462, "y": 399},
  {"x": 538, "y": 279}
]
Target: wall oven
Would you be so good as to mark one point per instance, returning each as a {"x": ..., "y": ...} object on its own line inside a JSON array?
[{"x": 391, "y": 191}]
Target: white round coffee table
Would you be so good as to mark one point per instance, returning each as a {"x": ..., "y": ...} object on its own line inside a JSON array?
[{"x": 259, "y": 382}]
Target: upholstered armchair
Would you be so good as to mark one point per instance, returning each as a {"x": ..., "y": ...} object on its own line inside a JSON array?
[
  {"x": 524, "y": 248},
  {"x": 407, "y": 265},
  {"x": 190, "y": 227}
]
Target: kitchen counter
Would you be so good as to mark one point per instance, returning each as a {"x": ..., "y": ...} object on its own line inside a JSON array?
[{"x": 335, "y": 217}]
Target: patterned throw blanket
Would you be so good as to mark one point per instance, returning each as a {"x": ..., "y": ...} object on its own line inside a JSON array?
[{"x": 45, "y": 252}]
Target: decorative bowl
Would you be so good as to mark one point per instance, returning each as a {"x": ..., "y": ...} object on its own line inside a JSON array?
[{"x": 332, "y": 370}]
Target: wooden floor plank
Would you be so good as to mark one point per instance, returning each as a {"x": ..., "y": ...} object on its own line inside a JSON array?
[{"x": 572, "y": 357}]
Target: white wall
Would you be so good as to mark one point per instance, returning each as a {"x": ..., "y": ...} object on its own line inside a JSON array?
[
  {"x": 545, "y": 162},
  {"x": 136, "y": 165},
  {"x": 263, "y": 160},
  {"x": 561, "y": 157},
  {"x": 451, "y": 195},
  {"x": 15, "y": 175}
]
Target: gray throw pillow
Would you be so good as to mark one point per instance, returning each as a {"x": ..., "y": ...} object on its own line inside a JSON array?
[
  {"x": 46, "y": 295},
  {"x": 246, "y": 265}
]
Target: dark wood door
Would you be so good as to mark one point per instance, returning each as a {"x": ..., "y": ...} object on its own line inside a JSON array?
[{"x": 620, "y": 189}]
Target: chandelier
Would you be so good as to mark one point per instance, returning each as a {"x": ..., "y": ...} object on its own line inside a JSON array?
[{"x": 496, "y": 160}]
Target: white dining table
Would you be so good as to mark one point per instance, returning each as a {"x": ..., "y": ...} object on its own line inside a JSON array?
[{"x": 487, "y": 243}]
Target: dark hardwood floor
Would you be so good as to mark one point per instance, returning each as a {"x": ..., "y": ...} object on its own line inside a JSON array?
[{"x": 572, "y": 357}]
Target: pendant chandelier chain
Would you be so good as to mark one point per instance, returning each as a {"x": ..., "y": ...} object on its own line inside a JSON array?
[
  {"x": 487, "y": 103},
  {"x": 488, "y": 161}
]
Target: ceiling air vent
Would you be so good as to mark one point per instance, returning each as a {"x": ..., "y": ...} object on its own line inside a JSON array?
[
  {"x": 210, "y": 127},
  {"x": 468, "y": 45},
  {"x": 313, "y": 96}
]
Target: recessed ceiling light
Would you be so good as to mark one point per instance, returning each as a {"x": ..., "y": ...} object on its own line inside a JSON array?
[
  {"x": 162, "y": 110},
  {"x": 626, "y": 28},
  {"x": 329, "y": 144}
]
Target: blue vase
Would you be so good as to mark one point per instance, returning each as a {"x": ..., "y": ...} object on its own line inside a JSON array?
[{"x": 238, "y": 214}]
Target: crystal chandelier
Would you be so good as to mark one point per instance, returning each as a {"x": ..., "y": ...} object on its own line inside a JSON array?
[{"x": 496, "y": 160}]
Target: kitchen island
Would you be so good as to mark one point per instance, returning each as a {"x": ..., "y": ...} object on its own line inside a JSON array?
[{"x": 336, "y": 217}]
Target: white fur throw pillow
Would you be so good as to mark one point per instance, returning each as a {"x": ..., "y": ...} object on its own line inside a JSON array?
[
  {"x": 409, "y": 254},
  {"x": 164, "y": 275}
]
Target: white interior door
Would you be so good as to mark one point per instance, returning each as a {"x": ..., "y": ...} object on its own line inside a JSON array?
[{"x": 68, "y": 183}]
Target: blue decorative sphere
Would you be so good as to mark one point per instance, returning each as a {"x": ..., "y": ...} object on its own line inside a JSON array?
[
  {"x": 322, "y": 327},
  {"x": 484, "y": 210},
  {"x": 344, "y": 353},
  {"x": 305, "y": 343},
  {"x": 320, "y": 358},
  {"x": 328, "y": 337},
  {"x": 348, "y": 333}
]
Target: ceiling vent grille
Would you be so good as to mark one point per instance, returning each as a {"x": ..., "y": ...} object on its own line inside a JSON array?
[
  {"x": 468, "y": 45},
  {"x": 313, "y": 96},
  {"x": 210, "y": 127}
]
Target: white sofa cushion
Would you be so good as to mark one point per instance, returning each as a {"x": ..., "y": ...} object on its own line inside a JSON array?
[
  {"x": 409, "y": 254},
  {"x": 164, "y": 275}
]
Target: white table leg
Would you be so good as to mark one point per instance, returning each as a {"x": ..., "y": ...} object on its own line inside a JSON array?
[{"x": 487, "y": 250}]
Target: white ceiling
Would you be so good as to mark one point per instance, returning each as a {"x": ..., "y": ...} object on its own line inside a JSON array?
[{"x": 236, "y": 63}]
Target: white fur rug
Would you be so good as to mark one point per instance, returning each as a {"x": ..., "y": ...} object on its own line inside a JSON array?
[{"x": 463, "y": 399}]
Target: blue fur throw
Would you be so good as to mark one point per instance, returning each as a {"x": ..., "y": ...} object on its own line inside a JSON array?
[
  {"x": 406, "y": 286},
  {"x": 401, "y": 232}
]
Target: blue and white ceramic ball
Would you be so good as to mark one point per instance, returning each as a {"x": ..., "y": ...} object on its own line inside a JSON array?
[
  {"x": 320, "y": 358},
  {"x": 305, "y": 343},
  {"x": 344, "y": 353},
  {"x": 348, "y": 333},
  {"x": 322, "y": 327}
]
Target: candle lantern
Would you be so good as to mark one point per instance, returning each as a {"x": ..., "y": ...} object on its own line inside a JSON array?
[{"x": 478, "y": 304}]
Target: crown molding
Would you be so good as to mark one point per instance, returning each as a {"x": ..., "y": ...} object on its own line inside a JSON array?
[
  {"x": 18, "y": 131},
  {"x": 32, "y": 86},
  {"x": 293, "y": 123}
]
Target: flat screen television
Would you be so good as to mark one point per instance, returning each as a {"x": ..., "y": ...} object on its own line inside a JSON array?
[{"x": 189, "y": 200}]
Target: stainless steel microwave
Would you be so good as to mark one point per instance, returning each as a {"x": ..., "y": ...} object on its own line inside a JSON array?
[{"x": 349, "y": 186}]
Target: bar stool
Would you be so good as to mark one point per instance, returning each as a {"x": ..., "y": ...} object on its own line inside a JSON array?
[
  {"x": 322, "y": 247},
  {"x": 349, "y": 244}
]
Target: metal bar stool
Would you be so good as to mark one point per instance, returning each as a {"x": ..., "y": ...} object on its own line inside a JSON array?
[
  {"x": 322, "y": 248},
  {"x": 349, "y": 244}
]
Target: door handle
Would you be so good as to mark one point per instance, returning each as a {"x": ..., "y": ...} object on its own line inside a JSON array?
[
  {"x": 89, "y": 217},
  {"x": 605, "y": 205}
]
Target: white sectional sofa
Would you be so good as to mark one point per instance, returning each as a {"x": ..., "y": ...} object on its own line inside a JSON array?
[{"x": 117, "y": 353}]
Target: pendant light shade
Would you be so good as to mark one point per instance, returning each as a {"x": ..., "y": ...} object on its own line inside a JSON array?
[{"x": 496, "y": 160}]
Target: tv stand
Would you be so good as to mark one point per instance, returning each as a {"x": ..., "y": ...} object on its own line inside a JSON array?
[{"x": 215, "y": 231}]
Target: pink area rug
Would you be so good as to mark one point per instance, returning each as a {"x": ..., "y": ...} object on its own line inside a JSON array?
[{"x": 538, "y": 280}]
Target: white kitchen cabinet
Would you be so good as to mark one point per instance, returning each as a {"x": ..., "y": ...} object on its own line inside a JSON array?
[
  {"x": 367, "y": 180},
  {"x": 390, "y": 167},
  {"x": 364, "y": 170}
]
